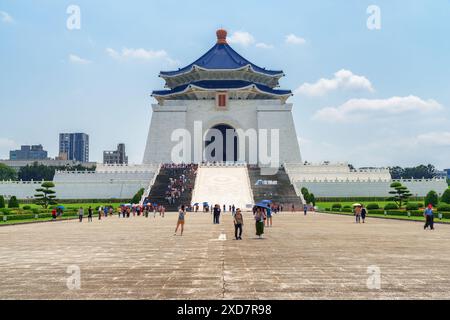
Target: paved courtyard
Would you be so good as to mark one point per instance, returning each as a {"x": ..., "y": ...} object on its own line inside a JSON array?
[{"x": 314, "y": 257}]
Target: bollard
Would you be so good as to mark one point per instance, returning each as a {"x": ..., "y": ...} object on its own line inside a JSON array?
[
  {"x": 5, "y": 218},
  {"x": 440, "y": 216},
  {"x": 385, "y": 212},
  {"x": 36, "y": 216},
  {"x": 409, "y": 214}
]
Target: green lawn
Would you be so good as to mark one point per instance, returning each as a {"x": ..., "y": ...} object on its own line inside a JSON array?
[
  {"x": 323, "y": 205},
  {"x": 422, "y": 219},
  {"x": 11, "y": 222},
  {"x": 76, "y": 205}
]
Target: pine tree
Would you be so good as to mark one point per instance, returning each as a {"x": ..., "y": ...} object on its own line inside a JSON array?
[
  {"x": 46, "y": 195},
  {"x": 13, "y": 203},
  {"x": 400, "y": 194}
]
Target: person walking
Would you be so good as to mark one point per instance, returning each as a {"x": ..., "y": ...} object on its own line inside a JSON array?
[
  {"x": 238, "y": 224},
  {"x": 429, "y": 217},
  {"x": 180, "y": 222},
  {"x": 358, "y": 214},
  {"x": 260, "y": 216},
  {"x": 363, "y": 214},
  {"x": 293, "y": 208},
  {"x": 100, "y": 210},
  {"x": 305, "y": 209},
  {"x": 90, "y": 214},
  {"x": 80, "y": 214},
  {"x": 269, "y": 216},
  {"x": 216, "y": 214}
]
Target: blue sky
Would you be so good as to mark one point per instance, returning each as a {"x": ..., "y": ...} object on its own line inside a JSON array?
[{"x": 370, "y": 97}]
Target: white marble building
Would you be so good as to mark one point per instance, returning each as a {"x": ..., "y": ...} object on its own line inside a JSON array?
[{"x": 222, "y": 90}]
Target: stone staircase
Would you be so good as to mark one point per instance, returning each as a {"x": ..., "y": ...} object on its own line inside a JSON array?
[
  {"x": 276, "y": 187},
  {"x": 158, "y": 190}
]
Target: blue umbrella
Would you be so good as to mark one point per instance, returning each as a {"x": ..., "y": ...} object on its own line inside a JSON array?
[
  {"x": 266, "y": 201},
  {"x": 205, "y": 203},
  {"x": 61, "y": 207},
  {"x": 262, "y": 205},
  {"x": 196, "y": 204}
]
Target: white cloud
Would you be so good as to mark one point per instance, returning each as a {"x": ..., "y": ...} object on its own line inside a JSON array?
[
  {"x": 141, "y": 54},
  {"x": 241, "y": 37},
  {"x": 362, "y": 109},
  {"x": 434, "y": 138},
  {"x": 343, "y": 79},
  {"x": 77, "y": 60},
  {"x": 263, "y": 45},
  {"x": 6, "y": 17},
  {"x": 293, "y": 39}
]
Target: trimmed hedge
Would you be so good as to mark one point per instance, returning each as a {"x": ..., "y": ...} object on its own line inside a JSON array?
[
  {"x": 347, "y": 210},
  {"x": 336, "y": 206},
  {"x": 373, "y": 206},
  {"x": 5, "y": 211},
  {"x": 412, "y": 206},
  {"x": 391, "y": 206},
  {"x": 444, "y": 207}
]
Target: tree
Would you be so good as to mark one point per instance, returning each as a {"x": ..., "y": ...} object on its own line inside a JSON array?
[
  {"x": 305, "y": 194},
  {"x": 432, "y": 198},
  {"x": 13, "y": 202},
  {"x": 39, "y": 172},
  {"x": 2, "y": 202},
  {"x": 137, "y": 197},
  {"x": 445, "y": 196},
  {"x": 400, "y": 194},
  {"x": 45, "y": 196},
  {"x": 312, "y": 199},
  {"x": 418, "y": 172},
  {"x": 7, "y": 173}
]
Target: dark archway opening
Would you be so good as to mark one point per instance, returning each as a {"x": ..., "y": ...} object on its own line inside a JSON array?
[{"x": 232, "y": 148}]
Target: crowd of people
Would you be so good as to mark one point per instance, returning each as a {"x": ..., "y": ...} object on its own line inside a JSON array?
[{"x": 124, "y": 211}]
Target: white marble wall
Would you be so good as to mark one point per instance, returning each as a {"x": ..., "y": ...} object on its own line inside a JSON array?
[
  {"x": 108, "y": 183},
  {"x": 240, "y": 114},
  {"x": 369, "y": 189}
]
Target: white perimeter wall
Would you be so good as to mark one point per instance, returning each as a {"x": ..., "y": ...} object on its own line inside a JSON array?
[
  {"x": 109, "y": 183},
  {"x": 369, "y": 189}
]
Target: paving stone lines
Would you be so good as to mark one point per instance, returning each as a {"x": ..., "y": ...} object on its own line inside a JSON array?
[{"x": 314, "y": 257}]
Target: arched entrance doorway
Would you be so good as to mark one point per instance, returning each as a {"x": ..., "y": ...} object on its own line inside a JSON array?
[{"x": 225, "y": 151}]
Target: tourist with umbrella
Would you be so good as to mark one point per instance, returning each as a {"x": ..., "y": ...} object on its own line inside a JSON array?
[
  {"x": 358, "y": 209},
  {"x": 260, "y": 217}
]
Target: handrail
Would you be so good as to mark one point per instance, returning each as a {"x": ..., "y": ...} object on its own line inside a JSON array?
[{"x": 152, "y": 182}]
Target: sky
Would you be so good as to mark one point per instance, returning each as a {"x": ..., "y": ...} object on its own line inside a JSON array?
[{"x": 371, "y": 84}]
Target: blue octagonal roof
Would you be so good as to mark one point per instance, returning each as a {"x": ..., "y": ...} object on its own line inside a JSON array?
[{"x": 222, "y": 57}]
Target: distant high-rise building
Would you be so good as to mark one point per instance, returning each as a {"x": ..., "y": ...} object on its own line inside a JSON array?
[
  {"x": 448, "y": 173},
  {"x": 116, "y": 157},
  {"x": 74, "y": 146},
  {"x": 35, "y": 152}
]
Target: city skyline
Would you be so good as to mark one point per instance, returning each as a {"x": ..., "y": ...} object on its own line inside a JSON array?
[{"x": 381, "y": 101}]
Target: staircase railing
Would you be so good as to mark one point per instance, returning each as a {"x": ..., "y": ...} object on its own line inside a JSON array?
[
  {"x": 299, "y": 194},
  {"x": 149, "y": 188},
  {"x": 249, "y": 183}
]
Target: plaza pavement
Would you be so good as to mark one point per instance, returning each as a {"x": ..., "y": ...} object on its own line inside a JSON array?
[{"x": 314, "y": 257}]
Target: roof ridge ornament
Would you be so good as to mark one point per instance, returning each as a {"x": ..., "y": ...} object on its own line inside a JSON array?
[{"x": 221, "y": 36}]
